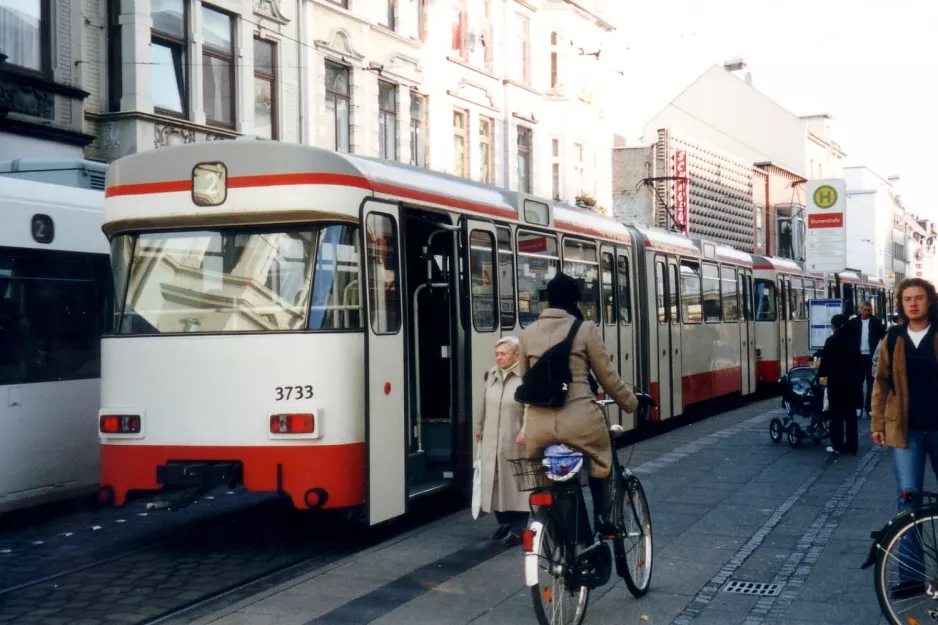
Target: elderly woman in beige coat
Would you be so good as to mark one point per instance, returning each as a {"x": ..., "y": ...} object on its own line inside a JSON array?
[
  {"x": 579, "y": 423},
  {"x": 497, "y": 425}
]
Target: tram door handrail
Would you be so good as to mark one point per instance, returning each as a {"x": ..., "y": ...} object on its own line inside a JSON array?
[{"x": 429, "y": 284}]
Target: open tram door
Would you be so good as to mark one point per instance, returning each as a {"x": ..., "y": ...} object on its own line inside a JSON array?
[
  {"x": 385, "y": 436},
  {"x": 747, "y": 331}
]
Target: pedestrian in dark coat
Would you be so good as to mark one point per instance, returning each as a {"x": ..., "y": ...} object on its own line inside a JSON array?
[
  {"x": 866, "y": 331},
  {"x": 839, "y": 368}
]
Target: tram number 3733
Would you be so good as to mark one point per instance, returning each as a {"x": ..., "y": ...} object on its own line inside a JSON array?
[{"x": 293, "y": 392}]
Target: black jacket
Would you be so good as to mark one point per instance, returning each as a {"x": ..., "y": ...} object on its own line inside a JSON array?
[
  {"x": 839, "y": 366},
  {"x": 876, "y": 333}
]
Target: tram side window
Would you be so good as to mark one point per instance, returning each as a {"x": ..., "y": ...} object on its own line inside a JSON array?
[
  {"x": 482, "y": 284},
  {"x": 52, "y": 312},
  {"x": 336, "y": 299},
  {"x": 579, "y": 262},
  {"x": 711, "y": 294},
  {"x": 625, "y": 291},
  {"x": 674, "y": 294},
  {"x": 538, "y": 261},
  {"x": 730, "y": 301},
  {"x": 660, "y": 292},
  {"x": 690, "y": 292},
  {"x": 609, "y": 296},
  {"x": 797, "y": 299},
  {"x": 506, "y": 278},
  {"x": 741, "y": 297},
  {"x": 849, "y": 294},
  {"x": 763, "y": 293},
  {"x": 384, "y": 304}
]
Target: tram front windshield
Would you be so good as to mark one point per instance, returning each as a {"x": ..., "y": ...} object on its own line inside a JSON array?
[{"x": 231, "y": 280}]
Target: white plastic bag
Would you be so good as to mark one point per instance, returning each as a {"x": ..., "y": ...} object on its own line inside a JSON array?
[
  {"x": 477, "y": 484},
  {"x": 826, "y": 405}
]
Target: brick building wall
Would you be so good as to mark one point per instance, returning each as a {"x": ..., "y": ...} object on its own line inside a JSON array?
[{"x": 633, "y": 202}]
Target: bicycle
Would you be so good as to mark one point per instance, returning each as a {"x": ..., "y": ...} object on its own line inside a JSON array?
[
  {"x": 551, "y": 544},
  {"x": 906, "y": 584}
]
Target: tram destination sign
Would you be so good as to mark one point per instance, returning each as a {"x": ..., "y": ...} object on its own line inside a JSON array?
[{"x": 826, "y": 212}]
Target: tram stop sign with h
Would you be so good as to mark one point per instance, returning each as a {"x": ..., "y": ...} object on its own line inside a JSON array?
[{"x": 826, "y": 211}]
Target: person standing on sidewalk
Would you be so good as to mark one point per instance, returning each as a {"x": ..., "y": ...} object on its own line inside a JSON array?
[
  {"x": 866, "y": 332},
  {"x": 839, "y": 367},
  {"x": 904, "y": 415},
  {"x": 497, "y": 427}
]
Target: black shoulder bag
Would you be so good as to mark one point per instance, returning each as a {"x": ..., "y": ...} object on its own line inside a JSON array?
[{"x": 546, "y": 383}]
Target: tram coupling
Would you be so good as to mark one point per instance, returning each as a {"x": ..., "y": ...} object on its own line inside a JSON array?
[{"x": 194, "y": 479}]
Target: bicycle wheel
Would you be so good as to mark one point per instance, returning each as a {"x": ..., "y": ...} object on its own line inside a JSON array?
[
  {"x": 555, "y": 603},
  {"x": 634, "y": 546},
  {"x": 906, "y": 574}
]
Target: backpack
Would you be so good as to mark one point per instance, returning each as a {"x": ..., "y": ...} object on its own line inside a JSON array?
[{"x": 546, "y": 383}]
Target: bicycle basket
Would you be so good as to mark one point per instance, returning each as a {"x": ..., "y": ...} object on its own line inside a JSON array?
[
  {"x": 529, "y": 473},
  {"x": 558, "y": 464}
]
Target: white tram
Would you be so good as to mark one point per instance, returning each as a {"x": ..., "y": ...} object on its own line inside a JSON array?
[
  {"x": 320, "y": 324},
  {"x": 54, "y": 302}
]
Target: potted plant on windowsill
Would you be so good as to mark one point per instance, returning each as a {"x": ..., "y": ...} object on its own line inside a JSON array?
[{"x": 585, "y": 201}]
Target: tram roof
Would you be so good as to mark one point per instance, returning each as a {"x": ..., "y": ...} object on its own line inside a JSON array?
[
  {"x": 261, "y": 163},
  {"x": 668, "y": 241},
  {"x": 777, "y": 263},
  {"x": 725, "y": 252}
]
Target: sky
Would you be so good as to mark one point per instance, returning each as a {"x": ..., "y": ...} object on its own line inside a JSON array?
[{"x": 871, "y": 64}]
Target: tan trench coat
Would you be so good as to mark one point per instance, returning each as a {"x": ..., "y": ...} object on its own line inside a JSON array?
[
  {"x": 499, "y": 420},
  {"x": 579, "y": 423}
]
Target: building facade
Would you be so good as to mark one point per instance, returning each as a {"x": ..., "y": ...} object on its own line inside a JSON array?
[
  {"x": 483, "y": 89},
  {"x": 41, "y": 72},
  {"x": 689, "y": 186},
  {"x": 177, "y": 71},
  {"x": 876, "y": 225},
  {"x": 779, "y": 214},
  {"x": 730, "y": 114},
  {"x": 364, "y": 78},
  {"x": 505, "y": 78},
  {"x": 577, "y": 113}
]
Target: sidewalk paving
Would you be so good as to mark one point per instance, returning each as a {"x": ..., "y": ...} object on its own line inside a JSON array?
[{"x": 727, "y": 504}]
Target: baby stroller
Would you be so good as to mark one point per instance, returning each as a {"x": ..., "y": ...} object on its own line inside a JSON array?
[{"x": 803, "y": 398}]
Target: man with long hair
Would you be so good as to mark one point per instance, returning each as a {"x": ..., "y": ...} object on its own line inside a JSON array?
[{"x": 904, "y": 415}]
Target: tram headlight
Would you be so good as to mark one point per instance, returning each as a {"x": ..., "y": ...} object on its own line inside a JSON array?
[
  {"x": 292, "y": 424},
  {"x": 119, "y": 424}
]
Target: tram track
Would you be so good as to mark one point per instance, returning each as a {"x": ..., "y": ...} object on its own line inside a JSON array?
[
  {"x": 104, "y": 561},
  {"x": 198, "y": 571}
]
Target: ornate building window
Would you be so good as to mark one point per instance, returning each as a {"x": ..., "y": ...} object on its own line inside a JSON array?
[{"x": 265, "y": 89}]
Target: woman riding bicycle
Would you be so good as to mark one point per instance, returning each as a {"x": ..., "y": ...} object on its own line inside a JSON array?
[{"x": 579, "y": 423}]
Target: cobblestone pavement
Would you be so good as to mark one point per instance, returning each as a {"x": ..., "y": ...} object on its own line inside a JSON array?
[
  {"x": 129, "y": 565},
  {"x": 727, "y": 505}
]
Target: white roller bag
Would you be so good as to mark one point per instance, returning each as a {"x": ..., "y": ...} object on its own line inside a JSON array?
[{"x": 477, "y": 484}]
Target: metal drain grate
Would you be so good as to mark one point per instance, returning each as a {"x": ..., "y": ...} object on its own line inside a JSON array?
[{"x": 752, "y": 588}]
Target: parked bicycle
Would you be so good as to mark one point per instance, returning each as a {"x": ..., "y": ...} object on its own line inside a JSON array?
[
  {"x": 905, "y": 554},
  {"x": 560, "y": 571}
]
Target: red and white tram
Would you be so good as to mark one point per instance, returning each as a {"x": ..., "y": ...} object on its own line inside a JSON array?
[
  {"x": 320, "y": 324},
  {"x": 781, "y": 291}
]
